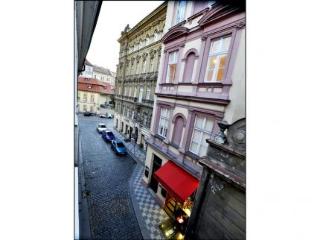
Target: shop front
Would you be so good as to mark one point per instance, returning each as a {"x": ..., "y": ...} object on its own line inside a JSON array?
[{"x": 181, "y": 188}]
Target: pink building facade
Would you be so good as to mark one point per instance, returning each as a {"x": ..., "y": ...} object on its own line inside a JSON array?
[{"x": 201, "y": 82}]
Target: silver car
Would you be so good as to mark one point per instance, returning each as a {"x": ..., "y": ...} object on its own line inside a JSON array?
[{"x": 101, "y": 127}]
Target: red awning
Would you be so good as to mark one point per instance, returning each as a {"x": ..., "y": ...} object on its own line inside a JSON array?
[{"x": 177, "y": 181}]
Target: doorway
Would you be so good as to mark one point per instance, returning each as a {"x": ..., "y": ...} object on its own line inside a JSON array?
[
  {"x": 156, "y": 165},
  {"x": 136, "y": 134}
]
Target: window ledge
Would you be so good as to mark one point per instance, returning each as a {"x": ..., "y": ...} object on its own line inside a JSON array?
[
  {"x": 175, "y": 145},
  {"x": 192, "y": 155},
  {"x": 177, "y": 25},
  {"x": 214, "y": 84},
  {"x": 167, "y": 84},
  {"x": 159, "y": 137}
]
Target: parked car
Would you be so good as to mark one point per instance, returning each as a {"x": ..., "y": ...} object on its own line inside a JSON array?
[
  {"x": 110, "y": 115},
  {"x": 101, "y": 127},
  {"x": 108, "y": 136},
  {"x": 102, "y": 116},
  {"x": 118, "y": 147},
  {"x": 87, "y": 114}
]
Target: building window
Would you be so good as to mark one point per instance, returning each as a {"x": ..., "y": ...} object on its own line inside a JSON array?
[
  {"x": 140, "y": 94},
  {"x": 155, "y": 36},
  {"x": 181, "y": 8},
  {"x": 135, "y": 92},
  {"x": 178, "y": 127},
  {"x": 172, "y": 66},
  {"x": 151, "y": 65},
  {"x": 202, "y": 130},
  {"x": 148, "y": 93},
  {"x": 92, "y": 99},
  {"x": 85, "y": 97},
  {"x": 217, "y": 59},
  {"x": 130, "y": 91},
  {"x": 164, "y": 122},
  {"x": 188, "y": 69},
  {"x": 84, "y": 108},
  {"x": 144, "y": 66}
]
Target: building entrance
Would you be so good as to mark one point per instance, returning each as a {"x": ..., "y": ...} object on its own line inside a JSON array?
[{"x": 156, "y": 165}]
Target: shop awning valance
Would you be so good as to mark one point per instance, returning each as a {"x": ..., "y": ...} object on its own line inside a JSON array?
[{"x": 177, "y": 181}]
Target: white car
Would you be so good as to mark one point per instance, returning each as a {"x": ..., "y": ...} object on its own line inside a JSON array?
[
  {"x": 101, "y": 127},
  {"x": 110, "y": 115}
]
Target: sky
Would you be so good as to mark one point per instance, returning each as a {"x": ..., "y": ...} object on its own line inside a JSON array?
[{"x": 113, "y": 17}]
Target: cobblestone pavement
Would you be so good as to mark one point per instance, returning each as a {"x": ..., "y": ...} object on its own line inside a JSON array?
[
  {"x": 146, "y": 207},
  {"x": 111, "y": 213}
]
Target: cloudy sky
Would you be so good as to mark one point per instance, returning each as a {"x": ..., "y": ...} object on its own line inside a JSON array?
[{"x": 114, "y": 16}]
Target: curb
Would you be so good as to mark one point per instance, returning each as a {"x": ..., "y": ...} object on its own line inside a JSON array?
[{"x": 84, "y": 219}]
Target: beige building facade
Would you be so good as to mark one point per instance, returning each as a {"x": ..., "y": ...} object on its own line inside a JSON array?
[
  {"x": 94, "y": 96},
  {"x": 136, "y": 77}
]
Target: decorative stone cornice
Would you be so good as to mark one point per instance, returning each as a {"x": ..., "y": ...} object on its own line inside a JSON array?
[
  {"x": 174, "y": 33},
  {"x": 218, "y": 12},
  {"x": 138, "y": 58}
]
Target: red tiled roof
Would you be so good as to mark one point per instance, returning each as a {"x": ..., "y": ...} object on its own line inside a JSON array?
[{"x": 93, "y": 85}]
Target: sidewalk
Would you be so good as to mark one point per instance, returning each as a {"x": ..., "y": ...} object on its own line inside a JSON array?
[
  {"x": 148, "y": 212},
  {"x": 135, "y": 151}
]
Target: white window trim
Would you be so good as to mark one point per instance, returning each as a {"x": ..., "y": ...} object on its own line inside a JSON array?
[
  {"x": 144, "y": 66},
  {"x": 174, "y": 61},
  {"x": 180, "y": 17},
  {"x": 163, "y": 119},
  {"x": 140, "y": 95},
  {"x": 148, "y": 92},
  {"x": 201, "y": 134},
  {"x": 217, "y": 54}
]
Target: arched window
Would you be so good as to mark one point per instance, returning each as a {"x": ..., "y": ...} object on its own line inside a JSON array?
[
  {"x": 188, "y": 69},
  {"x": 178, "y": 127}
]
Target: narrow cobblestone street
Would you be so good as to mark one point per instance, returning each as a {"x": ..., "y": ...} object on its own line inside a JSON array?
[{"x": 111, "y": 214}]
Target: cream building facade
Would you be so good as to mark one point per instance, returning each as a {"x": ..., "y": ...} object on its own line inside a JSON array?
[
  {"x": 136, "y": 77},
  {"x": 94, "y": 96},
  {"x": 100, "y": 73}
]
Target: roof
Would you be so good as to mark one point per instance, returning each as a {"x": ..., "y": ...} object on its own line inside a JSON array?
[
  {"x": 93, "y": 85},
  {"x": 98, "y": 68},
  {"x": 176, "y": 181},
  {"x": 88, "y": 63},
  {"x": 86, "y": 17},
  {"x": 129, "y": 30}
]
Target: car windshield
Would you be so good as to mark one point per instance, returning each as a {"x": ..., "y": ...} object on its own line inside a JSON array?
[
  {"x": 110, "y": 134},
  {"x": 120, "y": 144},
  {"x": 102, "y": 125}
]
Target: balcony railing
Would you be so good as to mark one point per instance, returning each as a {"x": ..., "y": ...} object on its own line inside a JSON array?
[{"x": 147, "y": 101}]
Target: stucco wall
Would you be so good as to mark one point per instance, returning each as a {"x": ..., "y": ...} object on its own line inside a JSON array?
[{"x": 236, "y": 109}]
